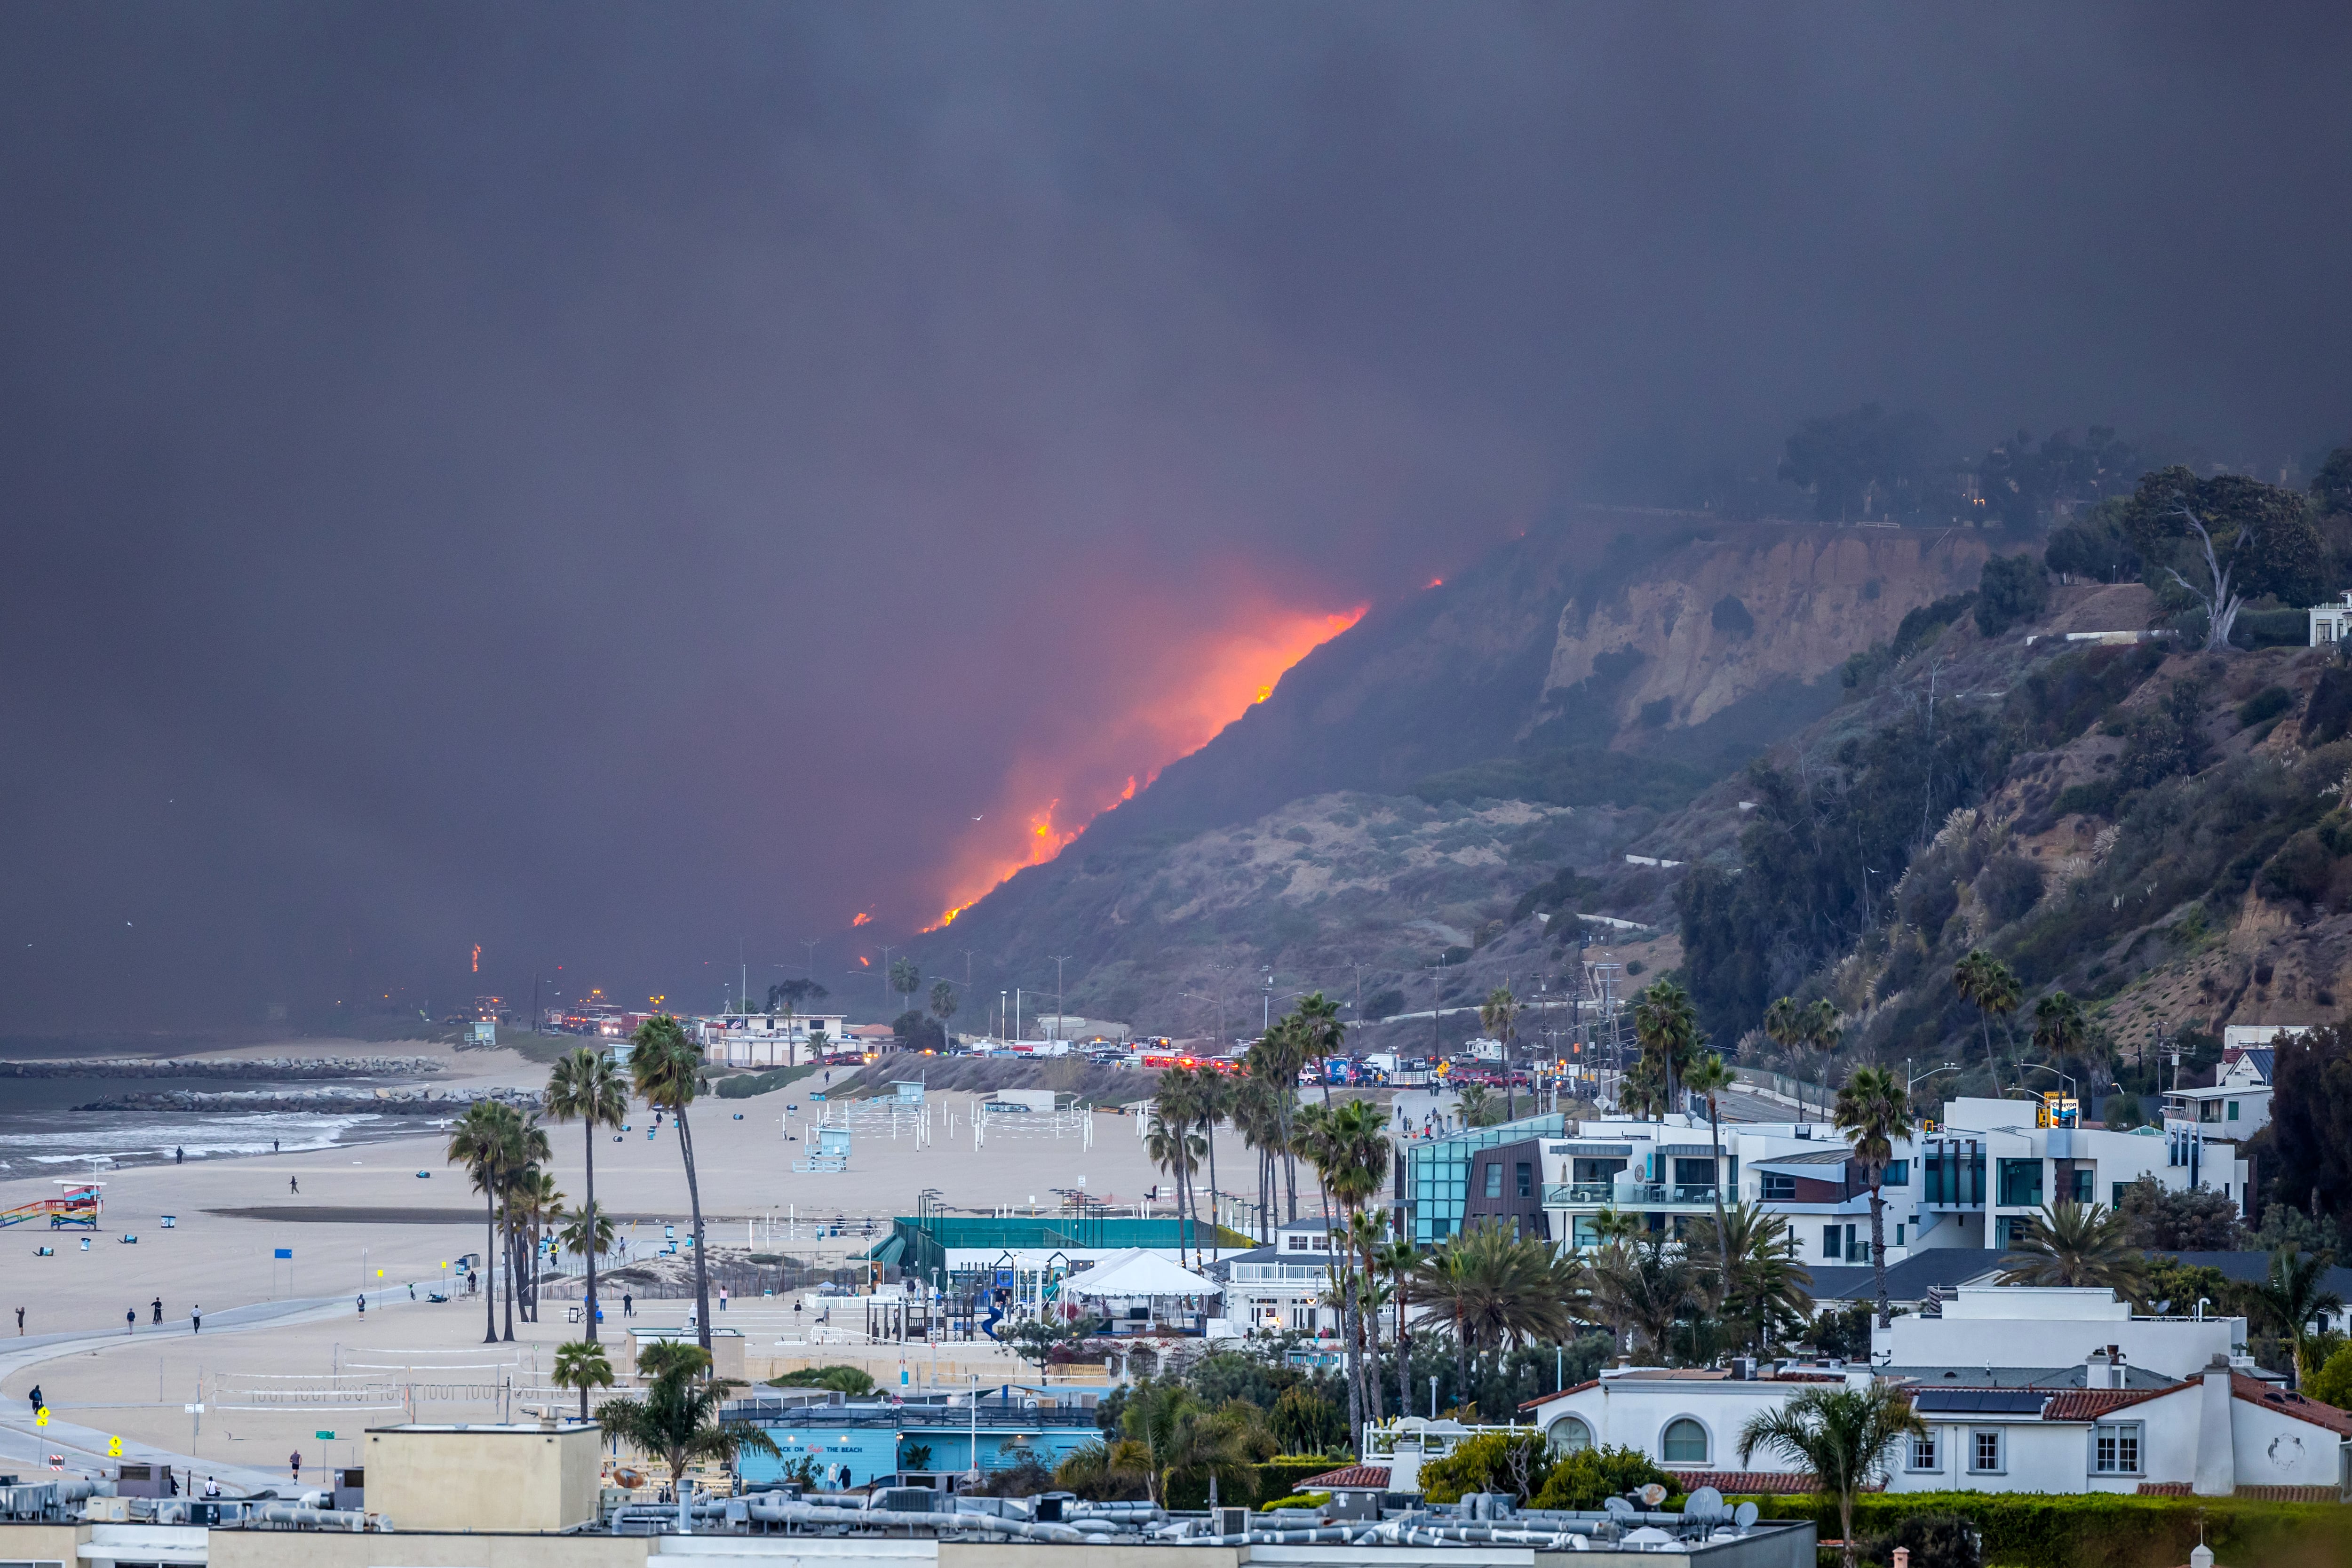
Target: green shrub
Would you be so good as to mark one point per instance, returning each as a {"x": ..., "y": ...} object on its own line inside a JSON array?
[
  {"x": 1518, "y": 1463},
  {"x": 2101, "y": 1530},
  {"x": 1934, "y": 1540},
  {"x": 2096, "y": 798},
  {"x": 2332, "y": 1384},
  {"x": 1298, "y": 1500},
  {"x": 2014, "y": 588},
  {"x": 1587, "y": 1477},
  {"x": 2268, "y": 703}
]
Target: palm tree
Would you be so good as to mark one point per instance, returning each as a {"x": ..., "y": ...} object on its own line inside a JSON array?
[
  {"x": 1823, "y": 1033},
  {"x": 1986, "y": 983},
  {"x": 943, "y": 1007},
  {"x": 1320, "y": 1035},
  {"x": 1495, "y": 1288},
  {"x": 1840, "y": 1434},
  {"x": 484, "y": 1140},
  {"x": 677, "y": 1418},
  {"x": 587, "y": 1233},
  {"x": 1477, "y": 1107},
  {"x": 1784, "y": 1026},
  {"x": 1644, "y": 1288},
  {"x": 1258, "y": 1115},
  {"x": 1710, "y": 1077},
  {"x": 2293, "y": 1295},
  {"x": 905, "y": 979},
  {"x": 2059, "y": 1027},
  {"x": 1497, "y": 1016},
  {"x": 581, "y": 1364},
  {"x": 1399, "y": 1263},
  {"x": 1212, "y": 1098},
  {"x": 667, "y": 1068},
  {"x": 1666, "y": 1026},
  {"x": 1169, "y": 1145},
  {"x": 1349, "y": 1149},
  {"x": 535, "y": 1203},
  {"x": 585, "y": 1087},
  {"x": 1762, "y": 1287},
  {"x": 1873, "y": 1111},
  {"x": 2078, "y": 1245},
  {"x": 1180, "y": 1438}
]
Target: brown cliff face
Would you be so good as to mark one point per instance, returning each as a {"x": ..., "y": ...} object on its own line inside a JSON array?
[{"x": 1726, "y": 619}]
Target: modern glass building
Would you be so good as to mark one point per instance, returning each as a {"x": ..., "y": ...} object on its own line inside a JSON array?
[{"x": 1433, "y": 1193}]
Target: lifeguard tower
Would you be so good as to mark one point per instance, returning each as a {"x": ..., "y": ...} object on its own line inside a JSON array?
[{"x": 77, "y": 1205}]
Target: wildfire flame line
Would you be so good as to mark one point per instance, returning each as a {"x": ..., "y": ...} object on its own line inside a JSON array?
[{"x": 1236, "y": 678}]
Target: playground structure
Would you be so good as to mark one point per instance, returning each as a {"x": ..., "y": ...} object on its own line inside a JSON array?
[{"x": 77, "y": 1205}]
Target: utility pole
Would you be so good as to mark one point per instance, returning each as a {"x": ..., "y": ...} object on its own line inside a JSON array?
[
  {"x": 1266, "y": 1024},
  {"x": 1061, "y": 1007},
  {"x": 1000, "y": 1014},
  {"x": 885, "y": 978},
  {"x": 744, "y": 990},
  {"x": 810, "y": 942}
]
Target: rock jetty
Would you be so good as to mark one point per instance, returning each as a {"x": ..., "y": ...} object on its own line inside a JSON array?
[
  {"x": 229, "y": 1067},
  {"x": 341, "y": 1101}
]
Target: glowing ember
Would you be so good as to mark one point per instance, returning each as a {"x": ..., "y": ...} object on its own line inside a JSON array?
[
  {"x": 860, "y": 919},
  {"x": 1435, "y": 583},
  {"x": 1218, "y": 684}
]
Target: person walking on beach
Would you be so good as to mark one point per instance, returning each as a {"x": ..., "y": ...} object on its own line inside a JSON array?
[
  {"x": 20, "y": 1321},
  {"x": 294, "y": 1465},
  {"x": 159, "y": 1309},
  {"x": 293, "y": 1185},
  {"x": 628, "y": 1305},
  {"x": 273, "y": 1146},
  {"x": 35, "y": 1397},
  {"x": 130, "y": 1319},
  {"x": 196, "y": 1319},
  {"x": 363, "y": 1306},
  {"x": 722, "y": 1298},
  {"x": 179, "y": 1156}
]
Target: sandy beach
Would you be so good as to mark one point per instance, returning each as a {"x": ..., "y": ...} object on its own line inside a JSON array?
[{"x": 380, "y": 1217}]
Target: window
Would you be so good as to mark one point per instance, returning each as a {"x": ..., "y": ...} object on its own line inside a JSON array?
[
  {"x": 2021, "y": 1183},
  {"x": 1694, "y": 1172},
  {"x": 2209, "y": 1111},
  {"x": 1571, "y": 1435},
  {"x": 1897, "y": 1173},
  {"x": 1984, "y": 1452},
  {"x": 1833, "y": 1241},
  {"x": 2085, "y": 1186},
  {"x": 1898, "y": 1233},
  {"x": 1494, "y": 1178},
  {"x": 1527, "y": 1175},
  {"x": 1684, "y": 1442},
  {"x": 2234, "y": 1110},
  {"x": 1778, "y": 1188},
  {"x": 1924, "y": 1455},
  {"x": 2115, "y": 1448}
]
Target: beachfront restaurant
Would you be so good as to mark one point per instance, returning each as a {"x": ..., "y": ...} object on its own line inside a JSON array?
[{"x": 875, "y": 1439}]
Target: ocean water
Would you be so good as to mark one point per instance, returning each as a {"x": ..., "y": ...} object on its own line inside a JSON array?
[{"x": 41, "y": 1132}]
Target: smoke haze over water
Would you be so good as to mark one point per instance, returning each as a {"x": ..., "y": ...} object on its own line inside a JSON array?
[{"x": 598, "y": 482}]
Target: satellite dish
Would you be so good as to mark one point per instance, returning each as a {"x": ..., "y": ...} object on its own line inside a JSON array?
[
  {"x": 1652, "y": 1495},
  {"x": 1705, "y": 1502},
  {"x": 1618, "y": 1507},
  {"x": 1743, "y": 1515}
]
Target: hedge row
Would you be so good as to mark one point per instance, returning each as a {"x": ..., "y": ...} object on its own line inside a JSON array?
[{"x": 2102, "y": 1529}]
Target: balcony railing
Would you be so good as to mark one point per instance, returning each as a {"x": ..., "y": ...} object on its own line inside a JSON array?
[
  {"x": 1638, "y": 1195},
  {"x": 1280, "y": 1273}
]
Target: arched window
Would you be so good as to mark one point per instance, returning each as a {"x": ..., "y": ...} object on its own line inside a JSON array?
[
  {"x": 1570, "y": 1435},
  {"x": 1684, "y": 1442}
]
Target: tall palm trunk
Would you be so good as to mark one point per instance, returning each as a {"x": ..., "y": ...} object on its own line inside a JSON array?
[
  {"x": 1878, "y": 1246},
  {"x": 591, "y": 1149},
  {"x": 701, "y": 1270},
  {"x": 489, "y": 1261},
  {"x": 1404, "y": 1350},
  {"x": 1722, "y": 1237},
  {"x": 1209, "y": 1126},
  {"x": 511, "y": 1268}
]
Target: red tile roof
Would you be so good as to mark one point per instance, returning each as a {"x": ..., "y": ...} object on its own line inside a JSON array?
[
  {"x": 1747, "y": 1483},
  {"x": 2253, "y": 1494},
  {"x": 2254, "y": 1391},
  {"x": 2092, "y": 1403},
  {"x": 1349, "y": 1478}
]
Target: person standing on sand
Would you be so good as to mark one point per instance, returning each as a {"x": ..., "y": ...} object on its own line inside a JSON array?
[
  {"x": 363, "y": 1306},
  {"x": 20, "y": 1321},
  {"x": 179, "y": 1156},
  {"x": 196, "y": 1319},
  {"x": 294, "y": 1465},
  {"x": 159, "y": 1310},
  {"x": 131, "y": 1320}
]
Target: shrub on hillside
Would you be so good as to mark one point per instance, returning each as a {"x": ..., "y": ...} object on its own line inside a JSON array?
[
  {"x": 2014, "y": 588},
  {"x": 1516, "y": 1462},
  {"x": 2010, "y": 886}
]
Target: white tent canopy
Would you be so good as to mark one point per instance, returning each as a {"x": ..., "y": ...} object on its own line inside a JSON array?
[{"x": 1138, "y": 1272}]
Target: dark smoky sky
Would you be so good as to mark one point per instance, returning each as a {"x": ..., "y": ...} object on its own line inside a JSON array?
[{"x": 600, "y": 481}]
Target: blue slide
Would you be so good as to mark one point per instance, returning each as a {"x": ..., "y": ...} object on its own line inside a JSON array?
[{"x": 995, "y": 1315}]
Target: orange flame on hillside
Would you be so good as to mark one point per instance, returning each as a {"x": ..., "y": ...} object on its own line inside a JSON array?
[
  {"x": 860, "y": 919},
  {"x": 1220, "y": 684},
  {"x": 478, "y": 958}
]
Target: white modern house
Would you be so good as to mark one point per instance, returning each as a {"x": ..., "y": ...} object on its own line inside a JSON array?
[
  {"x": 2238, "y": 1105},
  {"x": 2020, "y": 1390},
  {"x": 1975, "y": 1179},
  {"x": 1281, "y": 1286},
  {"x": 2331, "y": 624},
  {"x": 768, "y": 1040}
]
